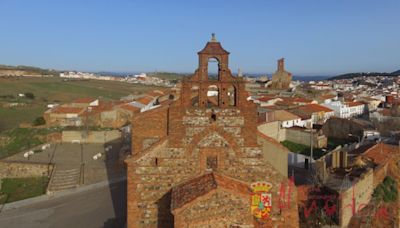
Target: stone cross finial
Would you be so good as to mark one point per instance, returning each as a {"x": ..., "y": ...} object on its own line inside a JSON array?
[{"x": 213, "y": 39}]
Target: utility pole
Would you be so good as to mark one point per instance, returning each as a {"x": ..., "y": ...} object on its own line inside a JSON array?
[{"x": 311, "y": 147}]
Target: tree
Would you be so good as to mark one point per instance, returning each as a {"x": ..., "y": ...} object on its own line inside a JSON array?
[
  {"x": 39, "y": 121},
  {"x": 30, "y": 95}
]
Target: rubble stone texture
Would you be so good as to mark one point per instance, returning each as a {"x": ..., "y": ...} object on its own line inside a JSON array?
[{"x": 203, "y": 157}]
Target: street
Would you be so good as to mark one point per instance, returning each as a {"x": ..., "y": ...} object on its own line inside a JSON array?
[{"x": 101, "y": 207}]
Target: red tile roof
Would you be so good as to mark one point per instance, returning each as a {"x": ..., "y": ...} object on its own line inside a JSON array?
[
  {"x": 282, "y": 115},
  {"x": 130, "y": 108},
  {"x": 67, "y": 110},
  {"x": 354, "y": 103},
  {"x": 145, "y": 100},
  {"x": 312, "y": 108},
  {"x": 381, "y": 153},
  {"x": 84, "y": 100}
]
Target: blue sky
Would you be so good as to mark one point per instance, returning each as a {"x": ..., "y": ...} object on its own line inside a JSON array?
[{"x": 317, "y": 37}]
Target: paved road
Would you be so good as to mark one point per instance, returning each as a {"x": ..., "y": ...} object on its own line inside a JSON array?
[{"x": 101, "y": 207}]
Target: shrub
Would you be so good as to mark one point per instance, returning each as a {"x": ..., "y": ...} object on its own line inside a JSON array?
[{"x": 386, "y": 191}]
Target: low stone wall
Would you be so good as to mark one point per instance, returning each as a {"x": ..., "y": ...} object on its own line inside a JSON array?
[
  {"x": 24, "y": 169},
  {"x": 90, "y": 137},
  {"x": 355, "y": 197}
]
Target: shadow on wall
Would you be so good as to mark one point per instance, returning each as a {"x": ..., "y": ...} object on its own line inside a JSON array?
[
  {"x": 114, "y": 168},
  {"x": 165, "y": 217}
]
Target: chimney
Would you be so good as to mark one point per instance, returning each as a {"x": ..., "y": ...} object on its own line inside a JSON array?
[
  {"x": 281, "y": 64},
  {"x": 343, "y": 159}
]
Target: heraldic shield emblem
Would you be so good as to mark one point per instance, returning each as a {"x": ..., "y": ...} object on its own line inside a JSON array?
[{"x": 261, "y": 199}]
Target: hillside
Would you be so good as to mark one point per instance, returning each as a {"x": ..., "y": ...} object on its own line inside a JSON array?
[
  {"x": 396, "y": 73},
  {"x": 25, "y": 71},
  {"x": 362, "y": 74}
]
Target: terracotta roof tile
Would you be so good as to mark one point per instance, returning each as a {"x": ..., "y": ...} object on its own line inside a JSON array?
[
  {"x": 381, "y": 153},
  {"x": 282, "y": 115},
  {"x": 145, "y": 100},
  {"x": 130, "y": 108},
  {"x": 84, "y": 100}
]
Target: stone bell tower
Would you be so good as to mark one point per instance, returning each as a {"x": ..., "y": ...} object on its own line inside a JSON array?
[{"x": 215, "y": 94}]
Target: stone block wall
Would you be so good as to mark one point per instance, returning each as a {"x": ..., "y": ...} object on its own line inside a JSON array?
[
  {"x": 22, "y": 170},
  {"x": 341, "y": 128},
  {"x": 304, "y": 137},
  {"x": 219, "y": 209}
]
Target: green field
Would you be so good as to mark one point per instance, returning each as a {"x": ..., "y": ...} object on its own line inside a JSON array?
[
  {"x": 302, "y": 149},
  {"x": 55, "y": 90},
  {"x": 14, "y": 189},
  {"x": 19, "y": 139}
]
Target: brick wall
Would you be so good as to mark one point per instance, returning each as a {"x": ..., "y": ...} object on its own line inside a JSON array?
[{"x": 152, "y": 124}]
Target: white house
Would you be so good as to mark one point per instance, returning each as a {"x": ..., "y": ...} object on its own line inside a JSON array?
[
  {"x": 287, "y": 119},
  {"x": 145, "y": 103},
  {"x": 347, "y": 109}
]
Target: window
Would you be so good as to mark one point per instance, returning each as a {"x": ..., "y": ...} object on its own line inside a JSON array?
[
  {"x": 212, "y": 163},
  {"x": 232, "y": 95}
]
